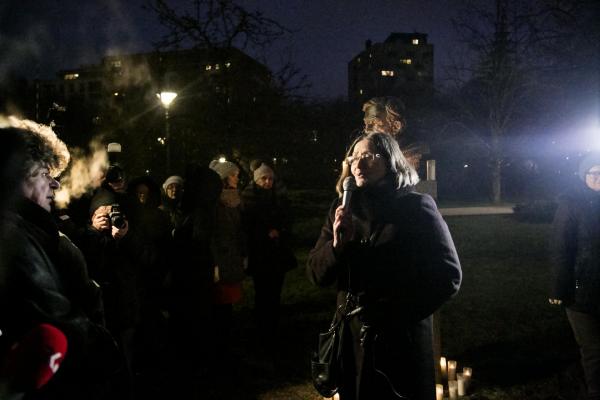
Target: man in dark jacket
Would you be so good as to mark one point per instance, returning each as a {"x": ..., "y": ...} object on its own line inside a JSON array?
[
  {"x": 43, "y": 278},
  {"x": 576, "y": 266}
]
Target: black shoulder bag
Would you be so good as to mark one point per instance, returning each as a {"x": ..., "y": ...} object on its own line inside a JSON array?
[{"x": 326, "y": 364}]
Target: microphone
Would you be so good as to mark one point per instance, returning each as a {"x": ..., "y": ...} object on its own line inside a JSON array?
[
  {"x": 32, "y": 361},
  {"x": 349, "y": 185}
]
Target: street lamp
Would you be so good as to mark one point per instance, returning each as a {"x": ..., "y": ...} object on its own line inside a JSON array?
[{"x": 166, "y": 98}]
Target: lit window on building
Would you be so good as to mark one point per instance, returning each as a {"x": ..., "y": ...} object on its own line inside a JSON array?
[
  {"x": 358, "y": 60},
  {"x": 406, "y": 61},
  {"x": 227, "y": 64},
  {"x": 415, "y": 41},
  {"x": 208, "y": 67},
  {"x": 70, "y": 77},
  {"x": 360, "y": 91},
  {"x": 217, "y": 66},
  {"x": 387, "y": 73}
]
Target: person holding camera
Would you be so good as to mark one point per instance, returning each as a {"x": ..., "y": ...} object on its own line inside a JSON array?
[{"x": 108, "y": 247}]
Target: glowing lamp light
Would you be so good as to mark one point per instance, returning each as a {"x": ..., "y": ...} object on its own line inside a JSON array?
[
  {"x": 222, "y": 159},
  {"x": 166, "y": 98}
]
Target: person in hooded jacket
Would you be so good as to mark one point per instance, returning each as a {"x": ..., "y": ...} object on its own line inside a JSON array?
[
  {"x": 575, "y": 255},
  {"x": 394, "y": 263},
  {"x": 171, "y": 203}
]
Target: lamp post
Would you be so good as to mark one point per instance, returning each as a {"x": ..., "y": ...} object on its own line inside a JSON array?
[{"x": 166, "y": 98}]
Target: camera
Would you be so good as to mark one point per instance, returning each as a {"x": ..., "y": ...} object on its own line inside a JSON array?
[{"x": 117, "y": 219}]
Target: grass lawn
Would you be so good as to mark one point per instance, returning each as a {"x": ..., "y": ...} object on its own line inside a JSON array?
[{"x": 500, "y": 323}]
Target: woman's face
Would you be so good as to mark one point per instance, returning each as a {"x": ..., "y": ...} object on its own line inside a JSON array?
[
  {"x": 233, "y": 180},
  {"x": 367, "y": 166},
  {"x": 592, "y": 178},
  {"x": 265, "y": 182},
  {"x": 142, "y": 191},
  {"x": 173, "y": 191}
]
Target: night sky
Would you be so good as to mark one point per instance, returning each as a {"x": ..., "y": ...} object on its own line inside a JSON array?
[{"x": 39, "y": 37}]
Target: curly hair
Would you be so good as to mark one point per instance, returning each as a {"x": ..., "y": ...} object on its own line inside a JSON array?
[
  {"x": 41, "y": 144},
  {"x": 389, "y": 106}
]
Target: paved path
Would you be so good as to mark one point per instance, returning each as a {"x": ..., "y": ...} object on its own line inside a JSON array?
[{"x": 487, "y": 210}]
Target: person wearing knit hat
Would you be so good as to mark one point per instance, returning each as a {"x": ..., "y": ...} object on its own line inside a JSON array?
[
  {"x": 226, "y": 170},
  {"x": 263, "y": 176},
  {"x": 172, "y": 186},
  {"x": 576, "y": 266}
]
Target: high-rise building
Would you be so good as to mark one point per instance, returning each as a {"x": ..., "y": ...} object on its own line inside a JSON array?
[{"x": 402, "y": 65}]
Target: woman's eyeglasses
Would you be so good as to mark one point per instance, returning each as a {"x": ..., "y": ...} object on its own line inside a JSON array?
[
  {"x": 595, "y": 174},
  {"x": 368, "y": 157}
]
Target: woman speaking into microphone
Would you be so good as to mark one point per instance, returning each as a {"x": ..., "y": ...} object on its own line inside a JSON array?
[{"x": 394, "y": 263}]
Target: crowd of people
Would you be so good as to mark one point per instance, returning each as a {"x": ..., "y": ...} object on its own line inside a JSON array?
[{"x": 134, "y": 278}]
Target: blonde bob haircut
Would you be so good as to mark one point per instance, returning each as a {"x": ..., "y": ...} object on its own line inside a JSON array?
[{"x": 398, "y": 168}]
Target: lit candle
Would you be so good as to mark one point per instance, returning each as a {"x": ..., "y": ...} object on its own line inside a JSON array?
[
  {"x": 452, "y": 389},
  {"x": 439, "y": 392},
  {"x": 451, "y": 370},
  {"x": 460, "y": 379},
  {"x": 443, "y": 367},
  {"x": 467, "y": 375}
]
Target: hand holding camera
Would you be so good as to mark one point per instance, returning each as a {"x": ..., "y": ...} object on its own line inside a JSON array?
[{"x": 110, "y": 218}]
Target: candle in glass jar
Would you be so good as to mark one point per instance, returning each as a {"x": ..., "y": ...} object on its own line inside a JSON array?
[
  {"x": 439, "y": 392},
  {"x": 453, "y": 390},
  {"x": 467, "y": 374},
  {"x": 460, "y": 380},
  {"x": 451, "y": 370},
  {"x": 443, "y": 367}
]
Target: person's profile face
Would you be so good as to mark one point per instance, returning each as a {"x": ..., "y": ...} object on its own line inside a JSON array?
[
  {"x": 592, "y": 178},
  {"x": 39, "y": 186}
]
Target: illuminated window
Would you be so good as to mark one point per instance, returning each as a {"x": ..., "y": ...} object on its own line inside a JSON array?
[
  {"x": 227, "y": 64},
  {"x": 208, "y": 67},
  {"x": 70, "y": 77},
  {"x": 387, "y": 73},
  {"x": 370, "y": 55},
  {"x": 217, "y": 66},
  {"x": 415, "y": 41},
  {"x": 358, "y": 60},
  {"x": 360, "y": 91},
  {"x": 406, "y": 61}
]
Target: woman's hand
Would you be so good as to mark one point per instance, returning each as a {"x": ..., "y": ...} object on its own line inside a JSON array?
[
  {"x": 342, "y": 226},
  {"x": 100, "y": 220}
]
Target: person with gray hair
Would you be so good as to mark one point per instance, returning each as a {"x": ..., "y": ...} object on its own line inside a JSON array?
[
  {"x": 394, "y": 262},
  {"x": 43, "y": 275}
]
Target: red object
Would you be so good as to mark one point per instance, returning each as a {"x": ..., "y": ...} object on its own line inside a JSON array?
[
  {"x": 227, "y": 293},
  {"x": 33, "y": 360}
]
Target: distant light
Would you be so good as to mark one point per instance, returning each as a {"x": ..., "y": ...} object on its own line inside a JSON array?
[
  {"x": 360, "y": 91},
  {"x": 208, "y": 67},
  {"x": 415, "y": 41},
  {"x": 387, "y": 73},
  {"x": 70, "y": 77},
  {"x": 161, "y": 140},
  {"x": 466, "y": 166},
  {"x": 274, "y": 160},
  {"x": 166, "y": 98},
  {"x": 567, "y": 157},
  {"x": 406, "y": 61},
  {"x": 116, "y": 93},
  {"x": 227, "y": 64},
  {"x": 147, "y": 172},
  {"x": 222, "y": 159}
]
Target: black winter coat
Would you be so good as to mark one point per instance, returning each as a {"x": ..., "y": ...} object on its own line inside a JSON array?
[
  {"x": 575, "y": 251},
  {"x": 262, "y": 211},
  {"x": 401, "y": 265}
]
